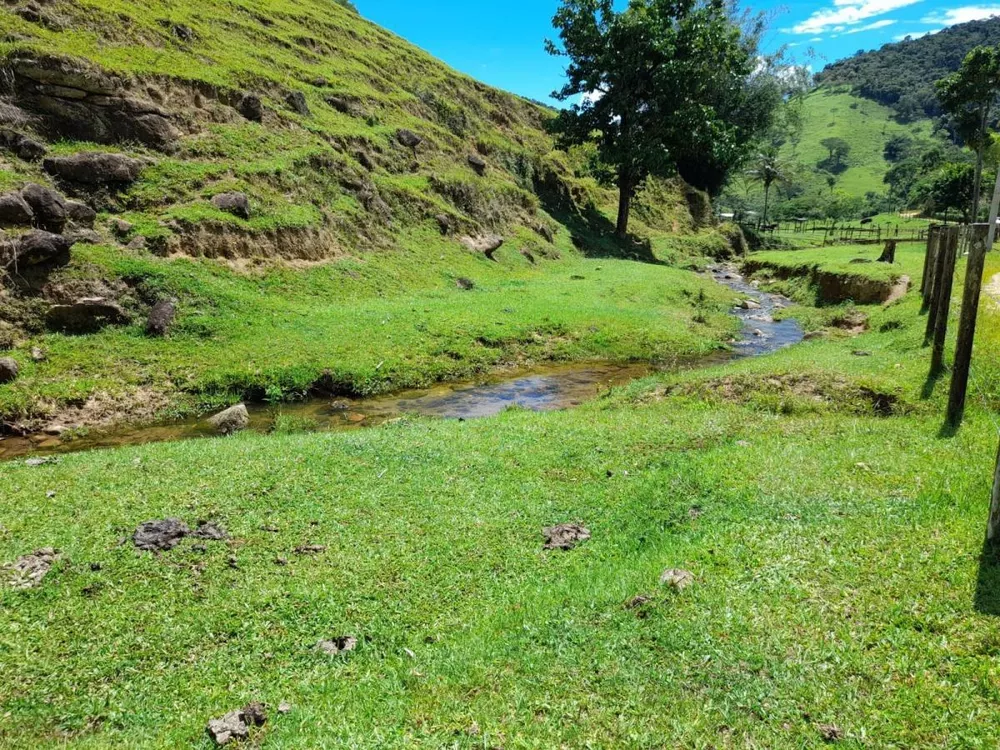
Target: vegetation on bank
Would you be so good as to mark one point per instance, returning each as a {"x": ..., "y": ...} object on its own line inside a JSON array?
[{"x": 840, "y": 587}]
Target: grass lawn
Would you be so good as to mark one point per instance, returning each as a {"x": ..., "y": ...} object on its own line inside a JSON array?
[{"x": 839, "y": 585}]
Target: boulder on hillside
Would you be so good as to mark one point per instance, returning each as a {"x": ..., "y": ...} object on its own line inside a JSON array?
[
  {"x": 15, "y": 211},
  {"x": 486, "y": 244},
  {"x": 236, "y": 204},
  {"x": 251, "y": 108},
  {"x": 38, "y": 248},
  {"x": 9, "y": 370},
  {"x": 408, "y": 138},
  {"x": 161, "y": 317},
  {"x": 81, "y": 214},
  {"x": 21, "y": 145},
  {"x": 547, "y": 234},
  {"x": 346, "y": 106},
  {"x": 48, "y": 207},
  {"x": 297, "y": 101},
  {"x": 478, "y": 164},
  {"x": 86, "y": 315},
  {"x": 94, "y": 168},
  {"x": 234, "y": 419}
]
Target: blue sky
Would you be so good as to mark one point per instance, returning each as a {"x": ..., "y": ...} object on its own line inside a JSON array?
[{"x": 500, "y": 42}]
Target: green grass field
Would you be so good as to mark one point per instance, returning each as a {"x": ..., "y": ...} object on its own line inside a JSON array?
[{"x": 839, "y": 584}]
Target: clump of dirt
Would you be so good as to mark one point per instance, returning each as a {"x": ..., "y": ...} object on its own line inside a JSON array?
[
  {"x": 236, "y": 724},
  {"x": 159, "y": 536},
  {"x": 28, "y": 571},
  {"x": 853, "y": 321},
  {"x": 565, "y": 536},
  {"x": 339, "y": 645}
]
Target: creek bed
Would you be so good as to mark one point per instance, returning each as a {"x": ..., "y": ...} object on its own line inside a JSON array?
[{"x": 542, "y": 389}]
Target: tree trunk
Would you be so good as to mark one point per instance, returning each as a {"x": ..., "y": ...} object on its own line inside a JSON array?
[
  {"x": 977, "y": 186},
  {"x": 767, "y": 199},
  {"x": 624, "y": 203}
]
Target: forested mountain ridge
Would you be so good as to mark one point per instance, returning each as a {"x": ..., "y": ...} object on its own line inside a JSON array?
[{"x": 902, "y": 75}]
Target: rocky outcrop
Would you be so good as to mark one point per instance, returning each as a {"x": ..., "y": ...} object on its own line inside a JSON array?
[
  {"x": 47, "y": 206},
  {"x": 251, "y": 107},
  {"x": 21, "y": 145},
  {"x": 478, "y": 164},
  {"x": 297, "y": 101},
  {"x": 9, "y": 370},
  {"x": 86, "y": 315},
  {"x": 95, "y": 169},
  {"x": 236, "y": 204},
  {"x": 37, "y": 248},
  {"x": 408, "y": 138},
  {"x": 81, "y": 214},
  {"x": 14, "y": 211},
  {"x": 72, "y": 100}
]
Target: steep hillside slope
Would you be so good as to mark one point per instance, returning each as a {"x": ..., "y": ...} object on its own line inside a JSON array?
[
  {"x": 279, "y": 180},
  {"x": 902, "y": 75},
  {"x": 865, "y": 125}
]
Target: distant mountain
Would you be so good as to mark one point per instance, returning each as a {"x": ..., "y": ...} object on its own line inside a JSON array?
[{"x": 902, "y": 75}]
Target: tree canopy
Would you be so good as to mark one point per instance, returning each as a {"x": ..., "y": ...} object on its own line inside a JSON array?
[{"x": 663, "y": 86}]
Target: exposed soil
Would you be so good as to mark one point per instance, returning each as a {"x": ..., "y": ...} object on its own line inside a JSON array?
[{"x": 565, "y": 536}]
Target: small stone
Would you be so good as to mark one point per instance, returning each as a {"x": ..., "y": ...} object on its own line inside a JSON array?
[
  {"x": 121, "y": 228},
  {"x": 252, "y": 108},
  {"x": 284, "y": 707},
  {"x": 749, "y": 304},
  {"x": 37, "y": 355},
  {"x": 236, "y": 204},
  {"x": 860, "y": 353},
  {"x": 340, "y": 645},
  {"x": 81, "y": 214},
  {"x": 310, "y": 549},
  {"x": 297, "y": 101},
  {"x": 677, "y": 579},
  {"x": 234, "y": 419},
  {"x": 408, "y": 138},
  {"x": 465, "y": 284},
  {"x": 565, "y": 536},
  {"x": 9, "y": 370},
  {"x": 212, "y": 532},
  {"x": 478, "y": 164},
  {"x": 156, "y": 536},
  {"x": 160, "y": 318}
]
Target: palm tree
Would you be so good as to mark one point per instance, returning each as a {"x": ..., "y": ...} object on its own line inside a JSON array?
[{"x": 768, "y": 169}]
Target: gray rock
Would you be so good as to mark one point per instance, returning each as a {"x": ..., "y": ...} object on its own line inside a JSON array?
[
  {"x": 86, "y": 315},
  {"x": 94, "y": 168},
  {"x": 251, "y": 108},
  {"x": 547, "y": 234},
  {"x": 234, "y": 419},
  {"x": 346, "y": 106},
  {"x": 297, "y": 101},
  {"x": 478, "y": 164},
  {"x": 28, "y": 571},
  {"x": 486, "y": 244},
  {"x": 9, "y": 370},
  {"x": 15, "y": 211},
  {"x": 749, "y": 304},
  {"x": 39, "y": 247},
  {"x": 21, "y": 145},
  {"x": 339, "y": 645},
  {"x": 445, "y": 222},
  {"x": 161, "y": 317},
  {"x": 157, "y": 536},
  {"x": 236, "y": 204},
  {"x": 48, "y": 207},
  {"x": 121, "y": 228},
  {"x": 81, "y": 214},
  {"x": 408, "y": 138}
]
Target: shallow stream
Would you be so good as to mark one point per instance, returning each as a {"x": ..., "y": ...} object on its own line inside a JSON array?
[{"x": 543, "y": 389}]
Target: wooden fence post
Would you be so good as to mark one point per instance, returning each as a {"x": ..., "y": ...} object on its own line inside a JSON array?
[
  {"x": 933, "y": 277},
  {"x": 929, "y": 260},
  {"x": 978, "y": 235},
  {"x": 942, "y": 305},
  {"x": 993, "y": 528}
]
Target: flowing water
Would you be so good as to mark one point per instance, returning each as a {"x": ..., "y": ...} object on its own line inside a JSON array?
[{"x": 551, "y": 388}]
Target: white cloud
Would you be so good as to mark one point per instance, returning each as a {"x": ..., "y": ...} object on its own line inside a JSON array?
[
  {"x": 872, "y": 26},
  {"x": 847, "y": 13},
  {"x": 816, "y": 39},
  {"x": 963, "y": 14}
]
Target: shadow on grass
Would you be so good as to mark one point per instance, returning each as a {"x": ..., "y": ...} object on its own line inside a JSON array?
[
  {"x": 592, "y": 233},
  {"x": 987, "y": 600},
  {"x": 931, "y": 383}
]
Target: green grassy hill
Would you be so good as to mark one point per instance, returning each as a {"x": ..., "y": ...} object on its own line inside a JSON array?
[
  {"x": 274, "y": 167},
  {"x": 866, "y": 125}
]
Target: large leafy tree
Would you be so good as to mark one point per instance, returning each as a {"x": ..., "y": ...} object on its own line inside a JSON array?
[
  {"x": 659, "y": 81},
  {"x": 970, "y": 97}
]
